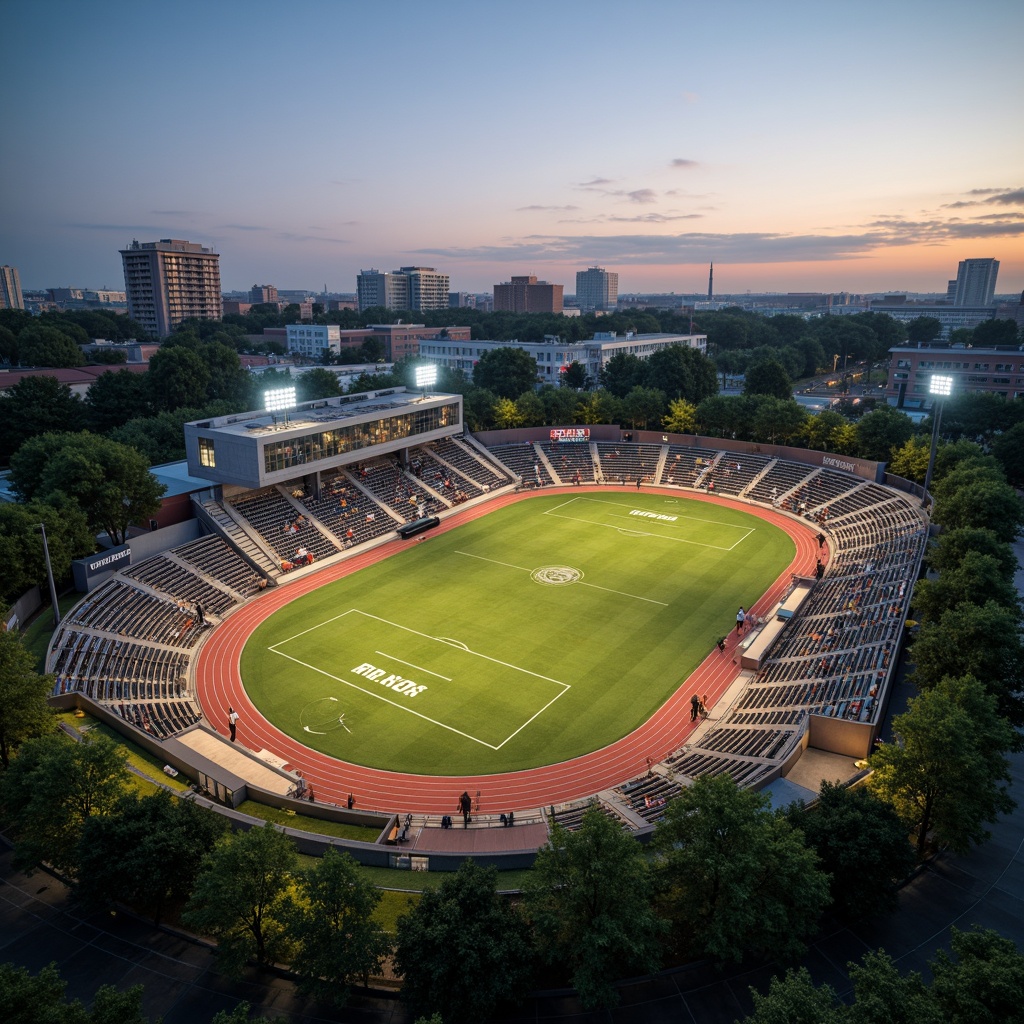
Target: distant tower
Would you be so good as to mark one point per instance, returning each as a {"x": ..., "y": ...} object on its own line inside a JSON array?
[
  {"x": 10, "y": 288},
  {"x": 975, "y": 282},
  {"x": 711, "y": 283}
]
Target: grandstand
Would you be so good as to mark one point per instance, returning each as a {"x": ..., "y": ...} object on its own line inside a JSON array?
[{"x": 130, "y": 645}]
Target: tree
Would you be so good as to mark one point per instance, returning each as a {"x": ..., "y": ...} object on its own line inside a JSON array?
[
  {"x": 994, "y": 332},
  {"x": 952, "y": 547},
  {"x": 924, "y": 329},
  {"x": 242, "y": 897},
  {"x": 115, "y": 398},
  {"x": 317, "y": 383},
  {"x": 110, "y": 482},
  {"x": 575, "y": 375},
  {"x": 177, "y": 376},
  {"x": 978, "y": 640},
  {"x": 947, "y": 774},
  {"x": 21, "y": 543},
  {"x": 48, "y": 346},
  {"x": 24, "y": 712},
  {"x": 40, "y": 1000},
  {"x": 817, "y": 430},
  {"x": 590, "y": 903},
  {"x": 984, "y": 985},
  {"x": 530, "y": 409},
  {"x": 623, "y": 372},
  {"x": 559, "y": 404},
  {"x": 737, "y": 878},
  {"x": 147, "y": 852},
  {"x": 985, "y": 503},
  {"x": 478, "y": 408},
  {"x": 768, "y": 377},
  {"x": 506, "y": 414},
  {"x": 794, "y": 999},
  {"x": 1008, "y": 448},
  {"x": 599, "y": 406},
  {"x": 462, "y": 950},
  {"x": 643, "y": 407},
  {"x": 862, "y": 844},
  {"x": 975, "y": 579},
  {"x": 34, "y": 406},
  {"x": 50, "y": 790},
  {"x": 777, "y": 419},
  {"x": 508, "y": 372},
  {"x": 681, "y": 372},
  {"x": 681, "y": 417},
  {"x": 881, "y": 431},
  {"x": 910, "y": 460},
  {"x": 331, "y": 922}
]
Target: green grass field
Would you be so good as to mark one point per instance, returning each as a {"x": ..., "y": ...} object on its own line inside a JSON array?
[{"x": 548, "y": 629}]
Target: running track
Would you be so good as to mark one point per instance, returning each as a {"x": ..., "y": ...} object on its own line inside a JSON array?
[{"x": 218, "y": 684}]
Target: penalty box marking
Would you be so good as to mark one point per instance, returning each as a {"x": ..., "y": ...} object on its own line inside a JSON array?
[
  {"x": 747, "y": 531},
  {"x": 405, "y": 707}
]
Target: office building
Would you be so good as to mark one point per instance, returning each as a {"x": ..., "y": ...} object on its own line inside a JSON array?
[
  {"x": 952, "y": 318},
  {"x": 976, "y": 282},
  {"x": 312, "y": 341},
  {"x": 596, "y": 289},
  {"x": 420, "y": 289},
  {"x": 995, "y": 369},
  {"x": 553, "y": 355},
  {"x": 461, "y": 300},
  {"x": 260, "y": 293},
  {"x": 10, "y": 288},
  {"x": 527, "y": 295},
  {"x": 170, "y": 281}
]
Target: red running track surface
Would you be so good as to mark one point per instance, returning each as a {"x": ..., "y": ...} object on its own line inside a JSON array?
[{"x": 219, "y": 685}]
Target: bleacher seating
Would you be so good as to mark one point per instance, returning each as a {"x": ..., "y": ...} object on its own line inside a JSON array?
[
  {"x": 129, "y": 644},
  {"x": 471, "y": 466},
  {"x": 524, "y": 461}
]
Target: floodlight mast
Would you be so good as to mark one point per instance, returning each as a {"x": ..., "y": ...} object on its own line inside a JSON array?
[
  {"x": 426, "y": 375},
  {"x": 940, "y": 386},
  {"x": 279, "y": 400}
]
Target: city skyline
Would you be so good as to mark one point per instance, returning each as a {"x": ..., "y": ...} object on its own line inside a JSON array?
[{"x": 860, "y": 148}]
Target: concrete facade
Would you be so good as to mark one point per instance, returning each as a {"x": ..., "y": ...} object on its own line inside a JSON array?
[{"x": 528, "y": 295}]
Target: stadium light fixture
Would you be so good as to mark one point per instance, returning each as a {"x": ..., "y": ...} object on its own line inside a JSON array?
[
  {"x": 279, "y": 400},
  {"x": 940, "y": 387},
  {"x": 426, "y": 376}
]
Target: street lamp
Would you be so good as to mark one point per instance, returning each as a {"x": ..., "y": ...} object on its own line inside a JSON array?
[
  {"x": 49, "y": 576},
  {"x": 940, "y": 386}
]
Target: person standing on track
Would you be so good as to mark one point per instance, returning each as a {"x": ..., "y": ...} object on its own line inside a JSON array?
[
  {"x": 741, "y": 617},
  {"x": 232, "y": 722},
  {"x": 465, "y": 805}
]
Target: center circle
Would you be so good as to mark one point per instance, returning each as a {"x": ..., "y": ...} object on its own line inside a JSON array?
[{"x": 556, "y": 575}]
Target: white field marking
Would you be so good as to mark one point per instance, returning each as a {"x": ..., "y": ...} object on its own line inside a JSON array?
[
  {"x": 379, "y": 696},
  {"x": 495, "y": 561},
  {"x": 452, "y": 643},
  {"x": 636, "y": 533},
  {"x": 621, "y": 593},
  {"x": 419, "y": 668},
  {"x": 405, "y": 707},
  {"x": 608, "y": 590},
  {"x": 622, "y": 504}
]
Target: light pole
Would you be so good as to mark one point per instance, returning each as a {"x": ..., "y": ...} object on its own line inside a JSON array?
[
  {"x": 49, "y": 576},
  {"x": 940, "y": 386},
  {"x": 426, "y": 377}
]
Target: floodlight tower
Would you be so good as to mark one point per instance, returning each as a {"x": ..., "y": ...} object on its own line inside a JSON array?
[
  {"x": 426, "y": 377},
  {"x": 279, "y": 400},
  {"x": 940, "y": 387}
]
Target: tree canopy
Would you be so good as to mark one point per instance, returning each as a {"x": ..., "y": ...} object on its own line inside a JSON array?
[
  {"x": 24, "y": 712},
  {"x": 590, "y": 902},
  {"x": 508, "y": 372}
]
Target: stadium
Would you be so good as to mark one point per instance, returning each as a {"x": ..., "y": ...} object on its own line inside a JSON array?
[{"x": 399, "y": 612}]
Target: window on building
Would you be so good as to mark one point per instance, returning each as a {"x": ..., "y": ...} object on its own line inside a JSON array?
[{"x": 207, "y": 456}]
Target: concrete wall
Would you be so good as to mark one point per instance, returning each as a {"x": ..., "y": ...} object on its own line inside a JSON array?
[{"x": 841, "y": 736}]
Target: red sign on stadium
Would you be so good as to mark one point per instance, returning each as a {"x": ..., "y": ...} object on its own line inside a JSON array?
[{"x": 570, "y": 434}]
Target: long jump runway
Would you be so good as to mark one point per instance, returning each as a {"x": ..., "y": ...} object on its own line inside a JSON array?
[{"x": 219, "y": 685}]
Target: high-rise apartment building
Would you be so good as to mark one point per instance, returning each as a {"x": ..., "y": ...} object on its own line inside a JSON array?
[
  {"x": 260, "y": 293},
  {"x": 10, "y": 288},
  {"x": 170, "y": 281},
  {"x": 976, "y": 282},
  {"x": 417, "y": 288},
  {"x": 528, "y": 295},
  {"x": 596, "y": 289}
]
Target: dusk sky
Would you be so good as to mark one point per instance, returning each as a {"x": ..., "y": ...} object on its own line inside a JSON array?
[{"x": 821, "y": 146}]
